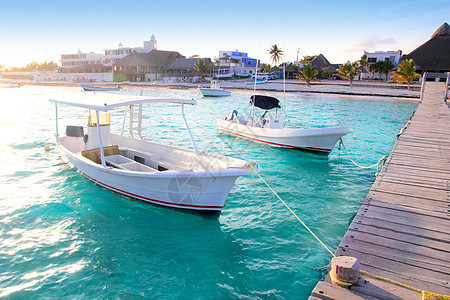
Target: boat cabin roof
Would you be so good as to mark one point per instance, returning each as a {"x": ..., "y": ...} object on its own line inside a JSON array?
[{"x": 105, "y": 101}]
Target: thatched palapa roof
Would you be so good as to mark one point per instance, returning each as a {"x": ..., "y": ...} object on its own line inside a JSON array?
[
  {"x": 187, "y": 63},
  {"x": 155, "y": 58},
  {"x": 320, "y": 62},
  {"x": 434, "y": 55}
]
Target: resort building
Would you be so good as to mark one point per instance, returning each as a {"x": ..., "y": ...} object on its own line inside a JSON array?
[
  {"x": 234, "y": 64},
  {"x": 434, "y": 55},
  {"x": 80, "y": 60},
  {"x": 182, "y": 70},
  {"x": 144, "y": 66},
  {"x": 112, "y": 56},
  {"x": 377, "y": 56},
  {"x": 374, "y": 57}
]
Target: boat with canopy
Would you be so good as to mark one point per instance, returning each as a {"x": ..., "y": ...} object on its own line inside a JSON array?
[
  {"x": 148, "y": 171},
  {"x": 272, "y": 130}
]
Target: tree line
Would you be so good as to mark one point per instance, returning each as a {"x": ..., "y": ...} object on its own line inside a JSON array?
[
  {"x": 32, "y": 66},
  {"x": 406, "y": 69}
]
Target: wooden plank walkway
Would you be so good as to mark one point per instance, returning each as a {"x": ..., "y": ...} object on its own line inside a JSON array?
[{"x": 402, "y": 230}]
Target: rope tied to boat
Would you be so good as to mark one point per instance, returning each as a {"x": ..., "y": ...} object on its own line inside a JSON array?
[
  {"x": 293, "y": 213},
  {"x": 425, "y": 294},
  {"x": 379, "y": 164}
]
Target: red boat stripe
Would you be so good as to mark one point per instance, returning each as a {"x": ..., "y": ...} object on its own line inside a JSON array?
[
  {"x": 282, "y": 145},
  {"x": 149, "y": 199}
]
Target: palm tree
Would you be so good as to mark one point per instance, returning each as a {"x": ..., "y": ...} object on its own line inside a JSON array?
[
  {"x": 265, "y": 67},
  {"x": 377, "y": 67},
  {"x": 406, "y": 70},
  {"x": 276, "y": 54},
  {"x": 201, "y": 67},
  {"x": 349, "y": 70},
  {"x": 307, "y": 73},
  {"x": 363, "y": 61},
  {"x": 307, "y": 59},
  {"x": 387, "y": 66}
]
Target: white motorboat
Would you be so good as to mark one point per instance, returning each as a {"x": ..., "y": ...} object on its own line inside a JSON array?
[
  {"x": 255, "y": 81},
  {"x": 148, "y": 171},
  {"x": 214, "y": 90},
  {"x": 99, "y": 88},
  {"x": 11, "y": 85},
  {"x": 272, "y": 130}
]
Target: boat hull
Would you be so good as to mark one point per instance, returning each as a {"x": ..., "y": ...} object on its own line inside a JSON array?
[
  {"x": 208, "y": 92},
  {"x": 316, "y": 139},
  {"x": 259, "y": 81},
  {"x": 96, "y": 88},
  {"x": 200, "y": 191}
]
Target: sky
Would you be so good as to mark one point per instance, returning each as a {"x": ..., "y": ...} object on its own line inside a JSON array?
[{"x": 340, "y": 30}]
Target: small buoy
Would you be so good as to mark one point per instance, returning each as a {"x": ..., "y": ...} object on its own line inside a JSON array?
[{"x": 47, "y": 148}]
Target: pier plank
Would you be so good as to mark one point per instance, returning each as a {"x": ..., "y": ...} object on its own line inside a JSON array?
[
  {"x": 397, "y": 254},
  {"x": 401, "y": 231},
  {"x": 406, "y": 274},
  {"x": 432, "y": 234}
]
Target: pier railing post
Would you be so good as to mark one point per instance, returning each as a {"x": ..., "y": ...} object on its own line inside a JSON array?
[
  {"x": 446, "y": 87},
  {"x": 424, "y": 78}
]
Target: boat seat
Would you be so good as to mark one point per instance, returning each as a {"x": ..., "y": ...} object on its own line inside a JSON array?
[
  {"x": 157, "y": 160},
  {"x": 122, "y": 162},
  {"x": 95, "y": 156},
  {"x": 169, "y": 166}
]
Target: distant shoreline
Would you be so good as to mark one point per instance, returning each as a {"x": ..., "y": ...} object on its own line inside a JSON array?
[{"x": 329, "y": 87}]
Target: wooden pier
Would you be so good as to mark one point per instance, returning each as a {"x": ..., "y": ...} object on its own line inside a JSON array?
[{"x": 402, "y": 230}]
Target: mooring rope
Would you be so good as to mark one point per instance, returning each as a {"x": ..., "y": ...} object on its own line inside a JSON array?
[
  {"x": 379, "y": 164},
  {"x": 293, "y": 213},
  {"x": 425, "y": 294}
]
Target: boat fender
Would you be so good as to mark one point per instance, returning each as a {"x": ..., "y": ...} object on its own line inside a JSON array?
[{"x": 85, "y": 138}]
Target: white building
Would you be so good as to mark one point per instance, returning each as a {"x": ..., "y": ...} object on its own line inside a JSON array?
[
  {"x": 112, "y": 56},
  {"x": 377, "y": 56},
  {"x": 393, "y": 56},
  {"x": 81, "y": 59},
  {"x": 234, "y": 64}
]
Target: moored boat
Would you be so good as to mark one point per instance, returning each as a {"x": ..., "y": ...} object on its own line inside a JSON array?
[
  {"x": 272, "y": 130},
  {"x": 257, "y": 81},
  {"x": 99, "y": 88},
  {"x": 148, "y": 171},
  {"x": 214, "y": 90}
]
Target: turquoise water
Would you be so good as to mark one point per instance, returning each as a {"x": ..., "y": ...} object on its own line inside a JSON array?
[{"x": 63, "y": 237}]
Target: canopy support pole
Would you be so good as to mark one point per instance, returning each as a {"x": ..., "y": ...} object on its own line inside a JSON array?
[
  {"x": 187, "y": 126},
  {"x": 102, "y": 154},
  {"x": 124, "y": 119},
  {"x": 56, "y": 110}
]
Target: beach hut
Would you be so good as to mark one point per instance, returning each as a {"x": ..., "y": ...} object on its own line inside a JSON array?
[
  {"x": 320, "y": 63},
  {"x": 182, "y": 69},
  {"x": 278, "y": 71},
  {"x": 434, "y": 55},
  {"x": 144, "y": 66}
]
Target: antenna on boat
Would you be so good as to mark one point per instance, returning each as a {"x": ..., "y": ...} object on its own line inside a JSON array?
[
  {"x": 284, "y": 84},
  {"x": 252, "y": 114}
]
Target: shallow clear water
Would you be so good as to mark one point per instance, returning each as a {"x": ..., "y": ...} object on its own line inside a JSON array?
[{"x": 61, "y": 236}]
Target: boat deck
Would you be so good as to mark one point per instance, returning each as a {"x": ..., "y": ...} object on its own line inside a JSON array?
[{"x": 401, "y": 232}]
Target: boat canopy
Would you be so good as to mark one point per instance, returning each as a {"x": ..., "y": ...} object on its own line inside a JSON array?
[
  {"x": 264, "y": 102},
  {"x": 105, "y": 102}
]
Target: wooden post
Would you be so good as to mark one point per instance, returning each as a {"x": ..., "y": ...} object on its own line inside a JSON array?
[
  {"x": 424, "y": 78},
  {"x": 446, "y": 87},
  {"x": 344, "y": 270}
]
